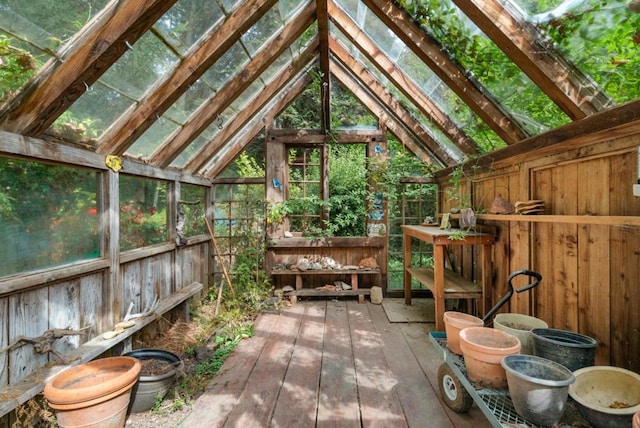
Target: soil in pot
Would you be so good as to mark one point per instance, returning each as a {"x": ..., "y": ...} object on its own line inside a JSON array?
[{"x": 158, "y": 372}]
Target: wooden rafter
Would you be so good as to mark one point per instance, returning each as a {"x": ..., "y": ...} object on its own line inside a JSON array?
[
  {"x": 387, "y": 100},
  {"x": 429, "y": 108},
  {"x": 325, "y": 89},
  {"x": 430, "y": 52},
  {"x": 574, "y": 92},
  {"x": 382, "y": 111},
  {"x": 221, "y": 159},
  {"x": 128, "y": 128},
  {"x": 83, "y": 60},
  {"x": 212, "y": 107},
  {"x": 201, "y": 158}
]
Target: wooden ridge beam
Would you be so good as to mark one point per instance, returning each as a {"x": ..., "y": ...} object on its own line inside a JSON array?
[
  {"x": 207, "y": 112},
  {"x": 325, "y": 88},
  {"x": 221, "y": 159},
  {"x": 429, "y": 51},
  {"x": 383, "y": 112},
  {"x": 387, "y": 99},
  {"x": 83, "y": 60},
  {"x": 203, "y": 156},
  {"x": 129, "y": 127},
  {"x": 574, "y": 92},
  {"x": 429, "y": 108}
]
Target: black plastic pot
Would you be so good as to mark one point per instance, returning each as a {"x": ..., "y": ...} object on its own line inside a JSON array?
[
  {"x": 149, "y": 388},
  {"x": 572, "y": 350}
]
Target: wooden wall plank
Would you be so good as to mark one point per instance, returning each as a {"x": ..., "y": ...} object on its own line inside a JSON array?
[
  {"x": 64, "y": 312},
  {"x": 93, "y": 312},
  {"x": 543, "y": 258},
  {"x": 28, "y": 317},
  {"x": 594, "y": 257},
  {"x": 4, "y": 341}
]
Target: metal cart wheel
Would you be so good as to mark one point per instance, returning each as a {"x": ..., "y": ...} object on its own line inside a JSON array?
[{"x": 453, "y": 392}]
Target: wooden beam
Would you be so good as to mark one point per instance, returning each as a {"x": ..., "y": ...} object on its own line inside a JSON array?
[
  {"x": 128, "y": 128},
  {"x": 451, "y": 73},
  {"x": 309, "y": 136},
  {"x": 202, "y": 157},
  {"x": 221, "y": 159},
  {"x": 325, "y": 89},
  {"x": 32, "y": 148},
  {"x": 387, "y": 99},
  {"x": 207, "y": 112},
  {"x": 574, "y": 92},
  {"x": 394, "y": 125},
  {"x": 369, "y": 48},
  {"x": 83, "y": 60}
]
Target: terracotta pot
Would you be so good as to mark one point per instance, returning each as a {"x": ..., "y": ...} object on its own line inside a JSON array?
[
  {"x": 453, "y": 323},
  {"x": 94, "y": 394},
  {"x": 636, "y": 420},
  {"x": 483, "y": 349}
]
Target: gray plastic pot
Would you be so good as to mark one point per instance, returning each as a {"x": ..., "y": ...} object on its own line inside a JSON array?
[
  {"x": 572, "y": 350},
  {"x": 538, "y": 387},
  {"x": 150, "y": 387}
]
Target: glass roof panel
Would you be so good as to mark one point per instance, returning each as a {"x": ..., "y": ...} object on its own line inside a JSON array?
[
  {"x": 31, "y": 32},
  {"x": 229, "y": 5},
  {"x": 228, "y": 65},
  {"x": 288, "y": 8},
  {"x": 347, "y": 112},
  {"x": 187, "y": 21},
  {"x": 262, "y": 31},
  {"x": 198, "y": 93},
  {"x": 242, "y": 99},
  {"x": 488, "y": 64},
  {"x": 601, "y": 38},
  {"x": 205, "y": 138},
  {"x": 145, "y": 145},
  {"x": 88, "y": 117}
]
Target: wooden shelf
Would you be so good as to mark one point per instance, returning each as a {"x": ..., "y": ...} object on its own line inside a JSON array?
[
  {"x": 455, "y": 286},
  {"x": 606, "y": 220}
]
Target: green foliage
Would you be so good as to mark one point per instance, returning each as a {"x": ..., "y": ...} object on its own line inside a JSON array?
[
  {"x": 601, "y": 37},
  {"x": 16, "y": 67},
  {"x": 225, "y": 345}
]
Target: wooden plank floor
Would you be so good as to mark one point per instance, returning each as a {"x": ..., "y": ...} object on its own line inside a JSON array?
[{"x": 330, "y": 363}]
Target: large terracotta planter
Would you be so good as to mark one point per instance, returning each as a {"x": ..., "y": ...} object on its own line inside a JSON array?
[
  {"x": 95, "y": 394},
  {"x": 483, "y": 349}
]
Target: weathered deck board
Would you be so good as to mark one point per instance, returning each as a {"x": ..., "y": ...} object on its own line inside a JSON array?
[
  {"x": 379, "y": 401},
  {"x": 330, "y": 363},
  {"x": 338, "y": 399},
  {"x": 302, "y": 380}
]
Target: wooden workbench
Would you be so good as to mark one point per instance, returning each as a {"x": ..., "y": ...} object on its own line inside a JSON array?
[{"x": 446, "y": 286}]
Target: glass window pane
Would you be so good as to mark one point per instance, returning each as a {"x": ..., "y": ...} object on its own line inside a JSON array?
[
  {"x": 143, "y": 212},
  {"x": 192, "y": 209},
  {"x": 262, "y": 30},
  {"x": 48, "y": 215}
]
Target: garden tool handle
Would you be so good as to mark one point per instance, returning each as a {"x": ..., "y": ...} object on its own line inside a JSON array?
[
  {"x": 527, "y": 272},
  {"x": 507, "y": 296}
]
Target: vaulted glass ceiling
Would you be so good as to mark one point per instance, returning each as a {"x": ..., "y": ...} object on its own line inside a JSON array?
[{"x": 456, "y": 77}]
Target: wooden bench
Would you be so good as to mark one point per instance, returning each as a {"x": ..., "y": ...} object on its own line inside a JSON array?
[
  {"x": 311, "y": 292},
  {"x": 17, "y": 394}
]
